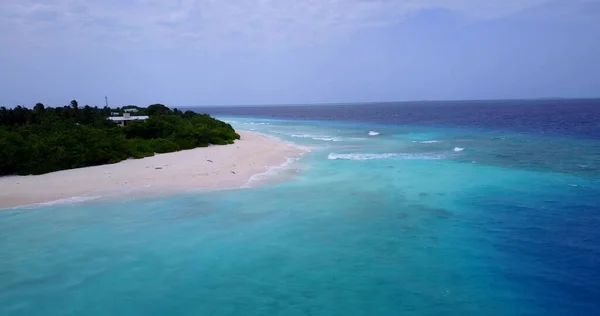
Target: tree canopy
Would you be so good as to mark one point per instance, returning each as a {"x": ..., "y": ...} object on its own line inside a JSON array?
[
  {"x": 48, "y": 139},
  {"x": 158, "y": 109}
]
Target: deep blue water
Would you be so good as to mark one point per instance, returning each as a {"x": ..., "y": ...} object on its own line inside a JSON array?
[
  {"x": 451, "y": 210},
  {"x": 580, "y": 117}
]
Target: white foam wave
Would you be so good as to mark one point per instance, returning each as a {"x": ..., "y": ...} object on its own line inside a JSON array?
[
  {"x": 271, "y": 171},
  {"x": 427, "y": 141},
  {"x": 328, "y": 139},
  {"x": 318, "y": 137},
  {"x": 373, "y": 133},
  {"x": 458, "y": 149},
  {"x": 65, "y": 201},
  {"x": 257, "y": 123},
  {"x": 356, "y": 156},
  {"x": 302, "y": 135}
]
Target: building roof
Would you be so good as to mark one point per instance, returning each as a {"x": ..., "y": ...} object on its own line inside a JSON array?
[{"x": 125, "y": 118}]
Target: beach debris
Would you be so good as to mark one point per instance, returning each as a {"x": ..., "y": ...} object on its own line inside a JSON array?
[
  {"x": 158, "y": 168},
  {"x": 232, "y": 172},
  {"x": 209, "y": 160}
]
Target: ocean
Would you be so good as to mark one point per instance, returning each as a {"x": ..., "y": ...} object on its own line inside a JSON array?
[{"x": 416, "y": 208}]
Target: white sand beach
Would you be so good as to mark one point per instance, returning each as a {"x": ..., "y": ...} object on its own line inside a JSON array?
[{"x": 214, "y": 167}]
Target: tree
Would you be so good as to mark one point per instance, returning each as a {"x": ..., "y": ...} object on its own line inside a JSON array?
[
  {"x": 158, "y": 109},
  {"x": 87, "y": 116},
  {"x": 4, "y": 116},
  {"x": 39, "y": 108},
  {"x": 20, "y": 115},
  {"x": 189, "y": 114},
  {"x": 50, "y": 139}
]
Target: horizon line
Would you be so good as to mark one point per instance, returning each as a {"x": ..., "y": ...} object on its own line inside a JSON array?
[
  {"x": 341, "y": 103},
  {"x": 409, "y": 101}
]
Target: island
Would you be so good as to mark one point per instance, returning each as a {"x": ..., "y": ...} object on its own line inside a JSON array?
[
  {"x": 49, "y": 139},
  {"x": 79, "y": 153}
]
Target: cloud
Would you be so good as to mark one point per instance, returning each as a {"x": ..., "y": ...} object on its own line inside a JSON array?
[{"x": 218, "y": 22}]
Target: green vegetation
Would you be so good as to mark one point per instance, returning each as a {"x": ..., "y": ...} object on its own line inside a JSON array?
[{"x": 50, "y": 139}]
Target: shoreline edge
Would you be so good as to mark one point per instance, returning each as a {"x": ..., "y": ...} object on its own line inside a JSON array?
[{"x": 203, "y": 169}]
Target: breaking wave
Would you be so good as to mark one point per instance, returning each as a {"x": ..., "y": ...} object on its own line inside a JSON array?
[
  {"x": 65, "y": 201},
  {"x": 373, "y": 133},
  {"x": 256, "y": 123},
  {"x": 458, "y": 149},
  {"x": 356, "y": 156},
  {"x": 426, "y": 141},
  {"x": 271, "y": 172},
  {"x": 318, "y": 137}
]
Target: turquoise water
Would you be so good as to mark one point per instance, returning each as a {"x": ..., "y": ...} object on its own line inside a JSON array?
[{"x": 413, "y": 221}]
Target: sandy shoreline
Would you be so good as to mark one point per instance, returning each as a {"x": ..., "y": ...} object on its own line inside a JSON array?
[{"x": 214, "y": 167}]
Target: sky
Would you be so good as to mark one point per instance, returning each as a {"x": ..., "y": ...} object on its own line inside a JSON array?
[{"x": 237, "y": 52}]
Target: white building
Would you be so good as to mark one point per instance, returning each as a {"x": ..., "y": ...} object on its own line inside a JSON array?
[
  {"x": 130, "y": 110},
  {"x": 126, "y": 118}
]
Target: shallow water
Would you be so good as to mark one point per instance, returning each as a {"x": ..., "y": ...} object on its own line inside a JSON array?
[{"x": 397, "y": 223}]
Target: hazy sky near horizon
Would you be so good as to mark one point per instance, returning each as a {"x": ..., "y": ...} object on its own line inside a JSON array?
[{"x": 223, "y": 52}]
